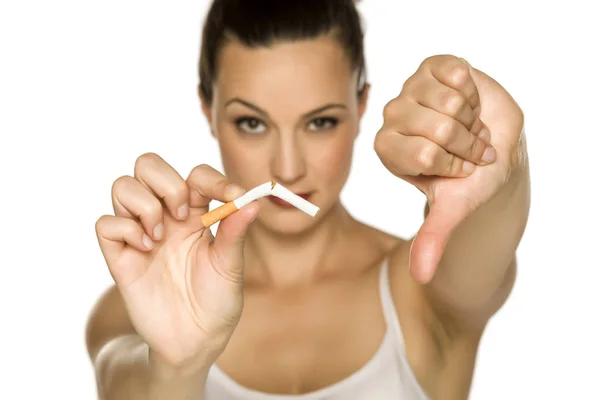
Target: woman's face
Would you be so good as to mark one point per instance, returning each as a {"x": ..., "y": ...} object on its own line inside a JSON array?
[{"x": 288, "y": 113}]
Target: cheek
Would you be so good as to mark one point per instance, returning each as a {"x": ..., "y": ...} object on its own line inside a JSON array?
[
  {"x": 242, "y": 163},
  {"x": 333, "y": 158}
]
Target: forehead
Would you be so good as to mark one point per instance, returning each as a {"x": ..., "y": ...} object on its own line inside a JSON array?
[{"x": 318, "y": 69}]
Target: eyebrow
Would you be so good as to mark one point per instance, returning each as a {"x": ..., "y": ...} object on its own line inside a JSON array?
[{"x": 264, "y": 113}]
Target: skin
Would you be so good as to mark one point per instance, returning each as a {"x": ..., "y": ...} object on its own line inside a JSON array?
[{"x": 288, "y": 292}]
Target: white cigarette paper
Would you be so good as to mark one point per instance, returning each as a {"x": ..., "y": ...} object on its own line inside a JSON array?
[
  {"x": 277, "y": 190},
  {"x": 295, "y": 200},
  {"x": 253, "y": 194}
]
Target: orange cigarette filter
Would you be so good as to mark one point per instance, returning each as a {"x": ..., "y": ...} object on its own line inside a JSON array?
[
  {"x": 226, "y": 209},
  {"x": 214, "y": 216}
]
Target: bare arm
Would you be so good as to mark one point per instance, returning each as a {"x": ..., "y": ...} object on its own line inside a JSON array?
[
  {"x": 124, "y": 367},
  {"x": 478, "y": 267}
]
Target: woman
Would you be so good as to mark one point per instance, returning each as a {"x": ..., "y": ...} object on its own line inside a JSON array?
[{"x": 283, "y": 305}]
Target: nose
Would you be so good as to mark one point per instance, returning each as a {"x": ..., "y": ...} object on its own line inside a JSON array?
[{"x": 288, "y": 160}]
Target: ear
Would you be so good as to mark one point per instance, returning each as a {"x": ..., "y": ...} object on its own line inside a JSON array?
[
  {"x": 206, "y": 110},
  {"x": 362, "y": 101}
]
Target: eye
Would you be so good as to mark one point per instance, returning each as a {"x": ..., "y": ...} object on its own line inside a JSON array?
[
  {"x": 250, "y": 125},
  {"x": 321, "y": 124}
]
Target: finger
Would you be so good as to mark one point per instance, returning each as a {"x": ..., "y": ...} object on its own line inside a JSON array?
[
  {"x": 444, "y": 131},
  {"x": 115, "y": 233},
  {"x": 416, "y": 155},
  {"x": 162, "y": 180},
  {"x": 228, "y": 245},
  {"x": 207, "y": 184},
  {"x": 432, "y": 238},
  {"x": 434, "y": 95},
  {"x": 455, "y": 73},
  {"x": 132, "y": 200},
  {"x": 482, "y": 132}
]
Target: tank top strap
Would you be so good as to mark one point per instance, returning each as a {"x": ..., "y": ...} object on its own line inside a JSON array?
[{"x": 387, "y": 303}]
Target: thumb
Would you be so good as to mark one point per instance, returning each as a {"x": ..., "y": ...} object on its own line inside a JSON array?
[
  {"x": 229, "y": 240},
  {"x": 430, "y": 242}
]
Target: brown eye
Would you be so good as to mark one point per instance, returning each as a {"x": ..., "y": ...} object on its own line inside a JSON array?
[
  {"x": 321, "y": 124},
  {"x": 250, "y": 125}
]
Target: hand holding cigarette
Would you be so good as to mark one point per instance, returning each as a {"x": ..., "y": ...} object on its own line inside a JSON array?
[
  {"x": 266, "y": 189},
  {"x": 168, "y": 266}
]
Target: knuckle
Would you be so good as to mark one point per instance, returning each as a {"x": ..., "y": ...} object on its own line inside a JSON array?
[
  {"x": 390, "y": 110},
  {"x": 453, "y": 103},
  {"x": 196, "y": 172},
  {"x": 176, "y": 191},
  {"x": 436, "y": 60},
  {"x": 410, "y": 83},
  {"x": 426, "y": 156},
  {"x": 221, "y": 185},
  {"x": 379, "y": 143},
  {"x": 146, "y": 159},
  {"x": 431, "y": 59},
  {"x": 121, "y": 183},
  {"x": 459, "y": 75},
  {"x": 206, "y": 174},
  {"x": 444, "y": 132},
  {"x": 130, "y": 228},
  {"x": 203, "y": 167},
  {"x": 101, "y": 224},
  {"x": 201, "y": 170},
  {"x": 150, "y": 209}
]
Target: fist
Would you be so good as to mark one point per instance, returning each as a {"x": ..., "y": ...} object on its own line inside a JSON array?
[{"x": 433, "y": 127}]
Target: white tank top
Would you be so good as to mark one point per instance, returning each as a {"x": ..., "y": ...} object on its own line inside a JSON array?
[{"x": 387, "y": 375}]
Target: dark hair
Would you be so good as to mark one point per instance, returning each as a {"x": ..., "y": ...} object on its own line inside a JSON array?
[{"x": 256, "y": 23}]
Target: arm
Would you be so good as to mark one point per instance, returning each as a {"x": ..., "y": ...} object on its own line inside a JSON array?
[
  {"x": 457, "y": 135},
  {"x": 124, "y": 366},
  {"x": 478, "y": 267}
]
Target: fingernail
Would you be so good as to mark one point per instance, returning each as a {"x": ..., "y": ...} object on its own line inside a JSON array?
[
  {"x": 468, "y": 167},
  {"x": 183, "y": 211},
  {"x": 485, "y": 135},
  {"x": 489, "y": 155},
  {"x": 147, "y": 242},
  {"x": 233, "y": 191},
  {"x": 158, "y": 232}
]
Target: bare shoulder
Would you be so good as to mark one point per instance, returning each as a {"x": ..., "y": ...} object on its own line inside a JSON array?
[{"x": 440, "y": 360}]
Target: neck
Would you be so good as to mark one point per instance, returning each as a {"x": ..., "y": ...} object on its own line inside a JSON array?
[{"x": 280, "y": 260}]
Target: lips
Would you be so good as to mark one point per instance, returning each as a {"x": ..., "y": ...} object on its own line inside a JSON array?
[{"x": 284, "y": 204}]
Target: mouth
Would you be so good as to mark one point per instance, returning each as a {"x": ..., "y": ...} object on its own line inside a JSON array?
[{"x": 284, "y": 204}]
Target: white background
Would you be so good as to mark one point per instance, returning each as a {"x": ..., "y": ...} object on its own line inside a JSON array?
[{"x": 86, "y": 87}]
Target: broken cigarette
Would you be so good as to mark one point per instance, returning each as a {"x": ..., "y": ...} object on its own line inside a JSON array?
[{"x": 266, "y": 189}]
